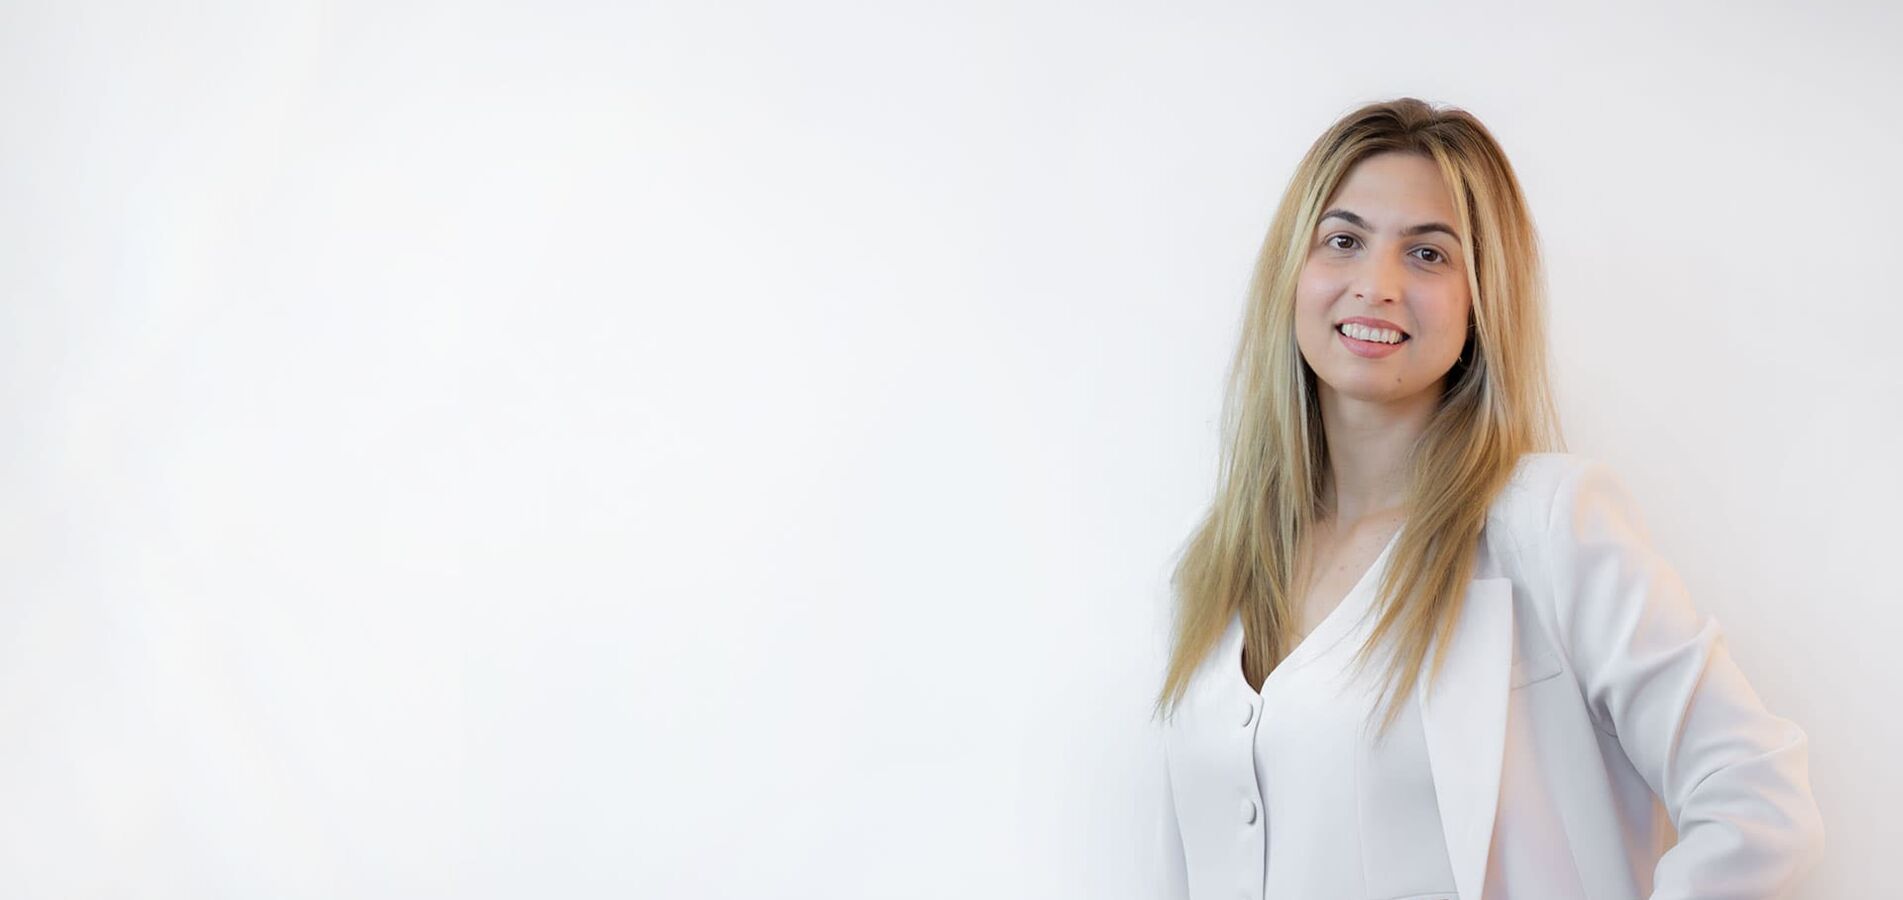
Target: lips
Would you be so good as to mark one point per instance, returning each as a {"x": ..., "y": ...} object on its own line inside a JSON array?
[
  {"x": 1370, "y": 349},
  {"x": 1372, "y": 322}
]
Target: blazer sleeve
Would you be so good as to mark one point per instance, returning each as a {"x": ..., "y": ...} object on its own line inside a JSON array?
[
  {"x": 1656, "y": 674},
  {"x": 1172, "y": 873}
]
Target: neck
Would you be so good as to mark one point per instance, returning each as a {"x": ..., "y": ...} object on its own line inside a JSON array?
[{"x": 1369, "y": 442}]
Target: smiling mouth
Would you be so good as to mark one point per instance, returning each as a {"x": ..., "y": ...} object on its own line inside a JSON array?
[{"x": 1371, "y": 335}]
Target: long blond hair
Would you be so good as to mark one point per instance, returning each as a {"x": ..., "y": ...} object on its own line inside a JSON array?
[{"x": 1497, "y": 405}]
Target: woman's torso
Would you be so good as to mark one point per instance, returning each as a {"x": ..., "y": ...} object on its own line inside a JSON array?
[{"x": 1323, "y": 808}]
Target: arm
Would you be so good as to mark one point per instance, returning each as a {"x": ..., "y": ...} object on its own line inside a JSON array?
[
  {"x": 1656, "y": 674},
  {"x": 1172, "y": 872}
]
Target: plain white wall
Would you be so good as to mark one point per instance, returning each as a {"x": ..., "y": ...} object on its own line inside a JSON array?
[{"x": 714, "y": 450}]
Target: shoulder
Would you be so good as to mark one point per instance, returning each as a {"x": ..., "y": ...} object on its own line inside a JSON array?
[
  {"x": 1565, "y": 499},
  {"x": 1537, "y": 479}
]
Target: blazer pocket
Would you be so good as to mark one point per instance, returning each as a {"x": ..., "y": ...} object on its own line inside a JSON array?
[{"x": 1528, "y": 671}]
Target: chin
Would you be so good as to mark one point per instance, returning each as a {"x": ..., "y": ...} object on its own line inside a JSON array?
[{"x": 1369, "y": 390}]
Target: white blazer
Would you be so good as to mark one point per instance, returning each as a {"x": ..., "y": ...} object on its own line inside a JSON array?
[{"x": 1590, "y": 735}]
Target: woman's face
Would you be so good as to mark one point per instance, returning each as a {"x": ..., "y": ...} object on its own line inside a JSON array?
[{"x": 1384, "y": 255}]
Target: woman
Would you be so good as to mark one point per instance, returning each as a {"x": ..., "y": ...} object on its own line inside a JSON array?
[{"x": 1419, "y": 652}]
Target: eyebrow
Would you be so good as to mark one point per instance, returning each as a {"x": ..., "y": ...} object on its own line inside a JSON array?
[{"x": 1410, "y": 231}]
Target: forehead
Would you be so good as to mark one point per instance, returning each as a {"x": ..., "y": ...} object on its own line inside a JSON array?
[{"x": 1394, "y": 190}]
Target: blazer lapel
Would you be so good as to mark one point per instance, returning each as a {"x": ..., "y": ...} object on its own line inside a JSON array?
[{"x": 1464, "y": 720}]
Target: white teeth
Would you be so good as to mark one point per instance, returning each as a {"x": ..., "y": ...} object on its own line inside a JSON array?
[{"x": 1363, "y": 332}]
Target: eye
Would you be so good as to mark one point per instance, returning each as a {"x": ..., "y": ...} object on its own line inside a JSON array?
[
  {"x": 1438, "y": 257},
  {"x": 1330, "y": 240}
]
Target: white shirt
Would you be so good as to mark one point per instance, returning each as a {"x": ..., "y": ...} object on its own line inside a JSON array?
[
  {"x": 1346, "y": 815},
  {"x": 1589, "y": 735}
]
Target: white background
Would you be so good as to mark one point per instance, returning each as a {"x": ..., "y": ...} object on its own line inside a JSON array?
[{"x": 713, "y": 450}]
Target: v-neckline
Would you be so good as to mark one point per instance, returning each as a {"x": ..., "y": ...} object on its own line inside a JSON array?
[{"x": 1327, "y": 625}]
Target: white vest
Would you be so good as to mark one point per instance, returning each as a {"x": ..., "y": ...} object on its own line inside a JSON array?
[{"x": 1338, "y": 813}]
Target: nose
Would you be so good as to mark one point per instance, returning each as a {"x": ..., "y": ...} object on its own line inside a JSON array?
[{"x": 1380, "y": 278}]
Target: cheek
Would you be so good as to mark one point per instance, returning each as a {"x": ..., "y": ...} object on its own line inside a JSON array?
[
  {"x": 1313, "y": 290},
  {"x": 1450, "y": 320}
]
